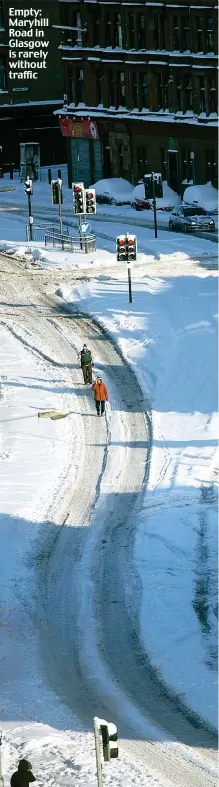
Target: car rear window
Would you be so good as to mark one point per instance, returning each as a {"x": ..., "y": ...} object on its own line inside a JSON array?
[{"x": 195, "y": 212}]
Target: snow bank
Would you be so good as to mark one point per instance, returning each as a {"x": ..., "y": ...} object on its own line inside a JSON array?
[
  {"x": 114, "y": 188},
  {"x": 206, "y": 196}
]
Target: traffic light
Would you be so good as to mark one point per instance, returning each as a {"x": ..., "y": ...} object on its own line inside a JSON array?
[
  {"x": 28, "y": 187},
  {"x": 55, "y": 192},
  {"x": 90, "y": 201},
  {"x": 78, "y": 198},
  {"x": 148, "y": 187},
  {"x": 131, "y": 248},
  {"x": 110, "y": 741},
  {"x": 158, "y": 185},
  {"x": 121, "y": 248}
]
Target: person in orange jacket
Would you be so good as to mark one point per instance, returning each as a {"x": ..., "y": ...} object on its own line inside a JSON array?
[{"x": 100, "y": 395}]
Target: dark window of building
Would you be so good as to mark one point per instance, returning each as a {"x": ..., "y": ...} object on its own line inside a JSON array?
[
  {"x": 163, "y": 164},
  {"x": 65, "y": 18},
  {"x": 1, "y": 14},
  {"x": 211, "y": 165},
  {"x": 188, "y": 92},
  {"x": 141, "y": 162},
  {"x": 111, "y": 88},
  {"x": 118, "y": 30},
  {"x": 202, "y": 97},
  {"x": 212, "y": 90},
  {"x": 158, "y": 32},
  {"x": 210, "y": 34},
  {"x": 120, "y": 159},
  {"x": 199, "y": 34},
  {"x": 162, "y": 92},
  {"x": 108, "y": 30},
  {"x": 96, "y": 26},
  {"x": 143, "y": 91},
  {"x": 179, "y": 94},
  {"x": 121, "y": 89},
  {"x": 134, "y": 81},
  {"x": 141, "y": 31},
  {"x": 99, "y": 86},
  {"x": 187, "y": 165},
  {"x": 2, "y": 74},
  {"x": 79, "y": 86},
  {"x": 176, "y": 43},
  {"x": 72, "y": 89},
  {"x": 131, "y": 28},
  {"x": 185, "y": 33}
]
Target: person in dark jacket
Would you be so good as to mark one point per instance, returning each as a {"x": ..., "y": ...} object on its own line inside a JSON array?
[
  {"x": 85, "y": 360},
  {"x": 23, "y": 776},
  {"x": 100, "y": 395}
]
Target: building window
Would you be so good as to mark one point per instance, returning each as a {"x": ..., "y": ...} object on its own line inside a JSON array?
[
  {"x": 119, "y": 30},
  {"x": 210, "y": 34},
  {"x": 143, "y": 91},
  {"x": 71, "y": 89},
  {"x": 176, "y": 44},
  {"x": 188, "y": 92},
  {"x": 2, "y": 74},
  {"x": 187, "y": 165},
  {"x": 79, "y": 86},
  {"x": 162, "y": 91},
  {"x": 210, "y": 165},
  {"x": 141, "y": 31},
  {"x": 163, "y": 164},
  {"x": 96, "y": 25},
  {"x": 158, "y": 32},
  {"x": 121, "y": 89},
  {"x": 141, "y": 162},
  {"x": 111, "y": 88},
  {"x": 131, "y": 29},
  {"x": 108, "y": 30},
  {"x": 134, "y": 82},
  {"x": 1, "y": 15},
  {"x": 185, "y": 34},
  {"x": 212, "y": 90},
  {"x": 179, "y": 94},
  {"x": 199, "y": 34},
  {"x": 202, "y": 97},
  {"x": 99, "y": 86}
]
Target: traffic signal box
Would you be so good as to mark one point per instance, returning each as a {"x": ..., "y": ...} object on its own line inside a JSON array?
[
  {"x": 90, "y": 201},
  {"x": 78, "y": 192},
  {"x": 110, "y": 741},
  {"x": 29, "y": 187},
  {"x": 126, "y": 248},
  {"x": 56, "y": 186},
  {"x": 148, "y": 185}
]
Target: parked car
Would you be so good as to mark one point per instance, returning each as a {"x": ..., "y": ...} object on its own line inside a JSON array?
[
  {"x": 141, "y": 204},
  {"x": 189, "y": 218}
]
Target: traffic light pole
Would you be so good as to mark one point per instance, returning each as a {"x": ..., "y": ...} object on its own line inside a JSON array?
[
  {"x": 60, "y": 211},
  {"x": 98, "y": 752},
  {"x": 154, "y": 207},
  {"x": 130, "y": 284},
  {"x": 30, "y": 217},
  {"x": 79, "y": 231}
]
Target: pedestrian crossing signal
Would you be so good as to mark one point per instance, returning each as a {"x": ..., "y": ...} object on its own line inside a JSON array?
[
  {"x": 29, "y": 187},
  {"x": 56, "y": 186},
  {"x": 110, "y": 741}
]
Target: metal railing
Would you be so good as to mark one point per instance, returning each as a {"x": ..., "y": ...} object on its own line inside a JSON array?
[
  {"x": 84, "y": 243},
  {"x": 38, "y": 233}
]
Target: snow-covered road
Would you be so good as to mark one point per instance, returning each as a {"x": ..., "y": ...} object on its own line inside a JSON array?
[{"x": 92, "y": 656}]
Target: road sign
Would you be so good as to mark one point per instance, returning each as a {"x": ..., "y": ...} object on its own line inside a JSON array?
[{"x": 85, "y": 228}]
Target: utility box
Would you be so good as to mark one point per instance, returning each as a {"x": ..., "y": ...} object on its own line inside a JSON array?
[{"x": 29, "y": 161}]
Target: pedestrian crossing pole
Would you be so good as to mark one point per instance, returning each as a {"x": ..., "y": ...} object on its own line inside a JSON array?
[{"x": 130, "y": 284}]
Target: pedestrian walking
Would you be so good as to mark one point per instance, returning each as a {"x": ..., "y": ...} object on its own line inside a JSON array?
[
  {"x": 86, "y": 362},
  {"x": 23, "y": 776},
  {"x": 100, "y": 395}
]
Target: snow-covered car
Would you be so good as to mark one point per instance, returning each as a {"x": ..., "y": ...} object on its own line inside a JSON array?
[
  {"x": 189, "y": 218},
  {"x": 113, "y": 191}
]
